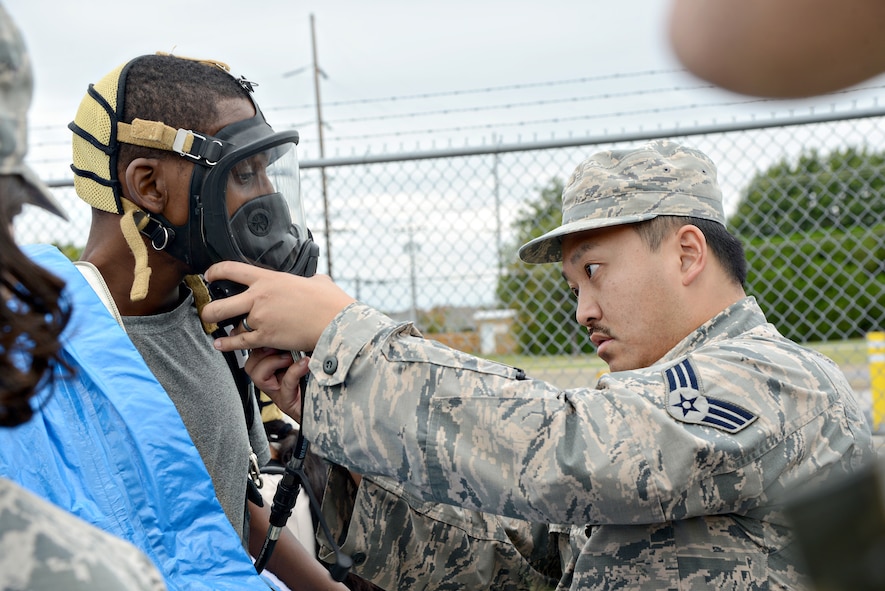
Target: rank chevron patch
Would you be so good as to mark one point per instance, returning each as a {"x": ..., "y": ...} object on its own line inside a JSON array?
[{"x": 687, "y": 403}]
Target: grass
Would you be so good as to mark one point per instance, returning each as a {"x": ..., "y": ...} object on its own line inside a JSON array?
[
  {"x": 850, "y": 352},
  {"x": 582, "y": 371}
]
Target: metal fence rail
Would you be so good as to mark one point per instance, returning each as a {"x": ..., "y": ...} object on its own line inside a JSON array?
[{"x": 430, "y": 236}]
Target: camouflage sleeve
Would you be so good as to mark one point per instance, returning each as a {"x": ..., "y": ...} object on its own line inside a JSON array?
[
  {"x": 400, "y": 542},
  {"x": 469, "y": 432},
  {"x": 385, "y": 401}
]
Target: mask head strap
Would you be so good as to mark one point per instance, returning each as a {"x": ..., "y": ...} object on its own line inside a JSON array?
[
  {"x": 202, "y": 149},
  {"x": 131, "y": 232}
]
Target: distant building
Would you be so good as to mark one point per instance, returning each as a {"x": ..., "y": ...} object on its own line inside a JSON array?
[
  {"x": 495, "y": 328},
  {"x": 479, "y": 332}
]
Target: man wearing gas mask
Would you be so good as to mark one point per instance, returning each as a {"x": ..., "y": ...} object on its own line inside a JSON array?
[{"x": 182, "y": 170}]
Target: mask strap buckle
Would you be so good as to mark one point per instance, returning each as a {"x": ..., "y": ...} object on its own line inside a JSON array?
[
  {"x": 161, "y": 236},
  {"x": 206, "y": 151},
  {"x": 168, "y": 235}
]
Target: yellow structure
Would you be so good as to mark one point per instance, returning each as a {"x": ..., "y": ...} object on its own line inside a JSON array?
[{"x": 876, "y": 360}]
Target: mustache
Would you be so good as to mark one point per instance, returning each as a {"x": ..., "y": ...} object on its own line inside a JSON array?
[{"x": 597, "y": 329}]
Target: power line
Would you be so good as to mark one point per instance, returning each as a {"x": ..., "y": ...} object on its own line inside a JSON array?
[
  {"x": 490, "y": 126},
  {"x": 487, "y": 89},
  {"x": 536, "y": 103},
  {"x": 506, "y": 106}
]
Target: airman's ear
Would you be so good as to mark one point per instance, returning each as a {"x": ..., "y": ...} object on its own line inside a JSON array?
[
  {"x": 694, "y": 252},
  {"x": 145, "y": 185}
]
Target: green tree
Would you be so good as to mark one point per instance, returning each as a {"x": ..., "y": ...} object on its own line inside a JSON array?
[
  {"x": 432, "y": 320},
  {"x": 841, "y": 190},
  {"x": 544, "y": 306},
  {"x": 814, "y": 232}
]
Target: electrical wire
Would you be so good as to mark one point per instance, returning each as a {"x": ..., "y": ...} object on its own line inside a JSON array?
[{"x": 488, "y": 89}]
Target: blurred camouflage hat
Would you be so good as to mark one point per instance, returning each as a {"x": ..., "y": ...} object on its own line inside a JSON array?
[
  {"x": 617, "y": 187},
  {"x": 16, "y": 87}
]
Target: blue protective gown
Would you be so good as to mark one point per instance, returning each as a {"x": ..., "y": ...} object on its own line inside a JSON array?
[{"x": 108, "y": 445}]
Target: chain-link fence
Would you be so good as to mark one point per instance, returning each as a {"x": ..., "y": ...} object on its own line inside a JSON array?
[{"x": 432, "y": 237}]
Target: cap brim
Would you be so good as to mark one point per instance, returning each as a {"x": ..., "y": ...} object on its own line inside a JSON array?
[
  {"x": 548, "y": 248},
  {"x": 39, "y": 194}
]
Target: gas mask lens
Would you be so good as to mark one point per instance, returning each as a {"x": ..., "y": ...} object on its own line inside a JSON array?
[
  {"x": 262, "y": 194},
  {"x": 263, "y": 213}
]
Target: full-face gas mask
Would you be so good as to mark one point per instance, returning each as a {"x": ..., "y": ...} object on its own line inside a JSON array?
[{"x": 245, "y": 199}]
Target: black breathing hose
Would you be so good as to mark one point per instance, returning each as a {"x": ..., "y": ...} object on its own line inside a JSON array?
[
  {"x": 283, "y": 503},
  {"x": 293, "y": 475}
]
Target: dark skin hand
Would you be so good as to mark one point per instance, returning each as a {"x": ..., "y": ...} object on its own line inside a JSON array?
[
  {"x": 277, "y": 374},
  {"x": 780, "y": 48}
]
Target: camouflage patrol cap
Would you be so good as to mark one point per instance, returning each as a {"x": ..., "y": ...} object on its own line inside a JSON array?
[
  {"x": 617, "y": 187},
  {"x": 16, "y": 87}
]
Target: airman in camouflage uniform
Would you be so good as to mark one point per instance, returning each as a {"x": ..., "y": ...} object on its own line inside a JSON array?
[
  {"x": 671, "y": 473},
  {"x": 41, "y": 546}
]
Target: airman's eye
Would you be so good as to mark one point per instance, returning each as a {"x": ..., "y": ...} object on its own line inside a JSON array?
[{"x": 591, "y": 269}]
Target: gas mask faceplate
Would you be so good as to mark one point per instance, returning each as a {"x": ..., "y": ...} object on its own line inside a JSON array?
[{"x": 245, "y": 163}]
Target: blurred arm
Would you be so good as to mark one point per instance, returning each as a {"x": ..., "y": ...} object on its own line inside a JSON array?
[
  {"x": 780, "y": 48},
  {"x": 294, "y": 565}
]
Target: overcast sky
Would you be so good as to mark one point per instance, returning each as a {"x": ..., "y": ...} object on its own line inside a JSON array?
[
  {"x": 462, "y": 71},
  {"x": 400, "y": 76},
  {"x": 369, "y": 48}
]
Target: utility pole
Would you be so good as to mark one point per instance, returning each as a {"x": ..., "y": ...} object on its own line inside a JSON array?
[
  {"x": 412, "y": 248},
  {"x": 497, "y": 206},
  {"x": 316, "y": 87}
]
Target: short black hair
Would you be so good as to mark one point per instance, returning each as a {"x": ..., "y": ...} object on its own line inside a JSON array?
[
  {"x": 180, "y": 92},
  {"x": 727, "y": 249}
]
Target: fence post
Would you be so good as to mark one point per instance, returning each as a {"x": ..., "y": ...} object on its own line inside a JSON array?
[{"x": 876, "y": 361}]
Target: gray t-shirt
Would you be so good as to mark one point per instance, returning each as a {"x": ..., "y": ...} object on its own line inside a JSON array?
[
  {"x": 44, "y": 548},
  {"x": 198, "y": 380}
]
